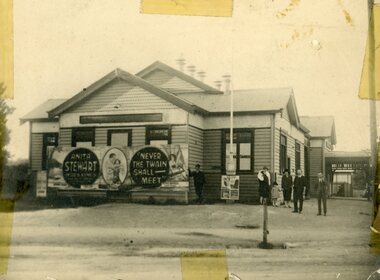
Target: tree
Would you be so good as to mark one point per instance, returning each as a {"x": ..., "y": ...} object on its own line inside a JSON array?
[{"x": 5, "y": 110}]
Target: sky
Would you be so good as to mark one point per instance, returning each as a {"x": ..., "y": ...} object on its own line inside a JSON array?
[{"x": 315, "y": 47}]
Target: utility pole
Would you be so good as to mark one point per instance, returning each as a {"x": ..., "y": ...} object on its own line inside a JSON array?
[{"x": 372, "y": 88}]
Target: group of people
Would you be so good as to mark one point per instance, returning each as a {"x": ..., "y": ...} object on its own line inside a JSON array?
[
  {"x": 298, "y": 186},
  {"x": 271, "y": 190}
]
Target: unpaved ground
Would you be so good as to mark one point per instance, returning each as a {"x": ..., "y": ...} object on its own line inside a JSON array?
[{"x": 132, "y": 241}]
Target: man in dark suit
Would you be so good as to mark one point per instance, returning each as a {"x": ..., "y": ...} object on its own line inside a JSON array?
[
  {"x": 199, "y": 181},
  {"x": 320, "y": 188},
  {"x": 299, "y": 188}
]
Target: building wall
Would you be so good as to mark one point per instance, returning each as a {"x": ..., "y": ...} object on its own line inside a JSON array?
[
  {"x": 196, "y": 149},
  {"x": 316, "y": 164},
  {"x": 213, "y": 164},
  {"x": 36, "y": 151},
  {"x": 36, "y": 141},
  {"x": 121, "y": 93}
]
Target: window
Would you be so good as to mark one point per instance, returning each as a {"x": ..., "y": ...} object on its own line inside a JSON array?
[
  {"x": 119, "y": 137},
  {"x": 48, "y": 140},
  {"x": 283, "y": 153},
  {"x": 83, "y": 137},
  {"x": 158, "y": 135},
  {"x": 242, "y": 150},
  {"x": 298, "y": 156}
]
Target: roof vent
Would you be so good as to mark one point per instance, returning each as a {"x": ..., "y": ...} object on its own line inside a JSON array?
[
  {"x": 191, "y": 69},
  {"x": 181, "y": 64},
  {"x": 201, "y": 75},
  {"x": 218, "y": 84}
]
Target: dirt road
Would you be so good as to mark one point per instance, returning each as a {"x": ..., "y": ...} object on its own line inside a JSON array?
[{"x": 133, "y": 241}]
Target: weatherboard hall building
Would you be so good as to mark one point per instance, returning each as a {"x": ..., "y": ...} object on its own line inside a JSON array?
[{"x": 96, "y": 143}]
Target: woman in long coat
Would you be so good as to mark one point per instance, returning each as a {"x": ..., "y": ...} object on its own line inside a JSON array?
[{"x": 286, "y": 184}]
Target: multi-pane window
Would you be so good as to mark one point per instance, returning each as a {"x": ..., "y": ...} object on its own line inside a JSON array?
[
  {"x": 49, "y": 140},
  {"x": 83, "y": 137},
  {"x": 298, "y": 156},
  {"x": 158, "y": 135},
  {"x": 283, "y": 153},
  {"x": 241, "y": 149},
  {"x": 119, "y": 137}
]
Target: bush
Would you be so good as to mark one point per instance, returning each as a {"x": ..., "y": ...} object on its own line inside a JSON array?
[{"x": 16, "y": 179}]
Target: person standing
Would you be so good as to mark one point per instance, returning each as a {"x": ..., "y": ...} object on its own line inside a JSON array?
[
  {"x": 298, "y": 191},
  {"x": 275, "y": 194},
  {"x": 199, "y": 181},
  {"x": 264, "y": 184},
  {"x": 286, "y": 184},
  {"x": 320, "y": 188}
]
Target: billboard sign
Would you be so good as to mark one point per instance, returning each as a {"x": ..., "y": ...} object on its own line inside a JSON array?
[{"x": 112, "y": 168}]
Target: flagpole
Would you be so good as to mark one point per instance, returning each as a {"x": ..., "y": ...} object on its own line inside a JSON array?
[{"x": 372, "y": 88}]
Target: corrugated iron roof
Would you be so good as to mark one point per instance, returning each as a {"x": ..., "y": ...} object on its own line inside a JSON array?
[
  {"x": 344, "y": 154},
  {"x": 320, "y": 126},
  {"x": 41, "y": 112},
  {"x": 249, "y": 100}
]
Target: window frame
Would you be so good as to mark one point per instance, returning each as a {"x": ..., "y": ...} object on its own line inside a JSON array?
[
  {"x": 111, "y": 131},
  {"x": 44, "y": 147},
  {"x": 153, "y": 127},
  {"x": 74, "y": 130},
  {"x": 283, "y": 155},
  {"x": 225, "y": 132}
]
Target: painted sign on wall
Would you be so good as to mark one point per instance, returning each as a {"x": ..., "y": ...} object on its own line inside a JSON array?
[
  {"x": 149, "y": 167},
  {"x": 113, "y": 168},
  {"x": 80, "y": 167}
]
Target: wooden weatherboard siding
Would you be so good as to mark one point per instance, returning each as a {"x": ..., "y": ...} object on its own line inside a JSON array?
[
  {"x": 316, "y": 161},
  {"x": 179, "y": 134},
  {"x": 196, "y": 145},
  {"x": 262, "y": 150},
  {"x": 65, "y": 137},
  {"x": 120, "y": 96},
  {"x": 36, "y": 151},
  {"x": 212, "y": 162}
]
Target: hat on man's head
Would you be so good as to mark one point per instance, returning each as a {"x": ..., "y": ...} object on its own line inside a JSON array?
[
  {"x": 198, "y": 165},
  {"x": 275, "y": 184},
  {"x": 264, "y": 167}
]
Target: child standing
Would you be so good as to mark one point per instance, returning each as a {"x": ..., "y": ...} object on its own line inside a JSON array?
[{"x": 275, "y": 194}]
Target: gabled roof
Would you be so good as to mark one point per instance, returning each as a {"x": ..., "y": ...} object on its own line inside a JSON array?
[
  {"x": 174, "y": 72},
  {"x": 137, "y": 81},
  {"x": 320, "y": 126},
  {"x": 41, "y": 112}
]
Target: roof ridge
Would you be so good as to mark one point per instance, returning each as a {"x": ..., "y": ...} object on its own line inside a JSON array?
[{"x": 178, "y": 73}]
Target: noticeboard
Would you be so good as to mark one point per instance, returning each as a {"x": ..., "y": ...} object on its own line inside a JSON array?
[{"x": 230, "y": 187}]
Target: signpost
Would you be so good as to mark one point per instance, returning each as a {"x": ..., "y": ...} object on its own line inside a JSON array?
[{"x": 41, "y": 185}]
